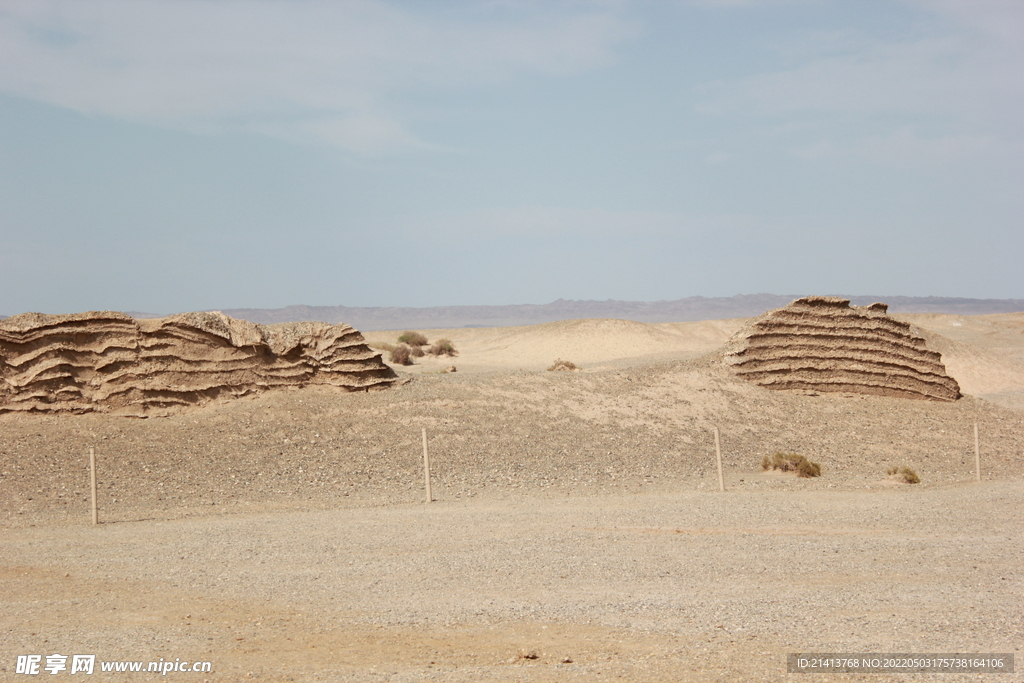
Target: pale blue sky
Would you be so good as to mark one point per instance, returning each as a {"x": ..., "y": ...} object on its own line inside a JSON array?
[{"x": 184, "y": 155}]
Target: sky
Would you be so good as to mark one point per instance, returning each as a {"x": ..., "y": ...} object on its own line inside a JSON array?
[{"x": 167, "y": 156}]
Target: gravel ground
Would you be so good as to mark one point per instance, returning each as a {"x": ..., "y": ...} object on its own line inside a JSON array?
[
  {"x": 577, "y": 518},
  {"x": 643, "y": 587}
]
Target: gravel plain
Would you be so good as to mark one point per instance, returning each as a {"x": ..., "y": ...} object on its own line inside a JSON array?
[
  {"x": 646, "y": 586},
  {"x": 577, "y": 533}
]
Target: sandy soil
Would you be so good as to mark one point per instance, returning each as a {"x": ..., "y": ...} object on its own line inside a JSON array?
[
  {"x": 577, "y": 532},
  {"x": 593, "y": 344},
  {"x": 984, "y": 352}
]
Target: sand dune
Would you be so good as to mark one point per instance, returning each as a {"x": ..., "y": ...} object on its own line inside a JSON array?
[
  {"x": 590, "y": 344},
  {"x": 983, "y": 354},
  {"x": 1002, "y": 334}
]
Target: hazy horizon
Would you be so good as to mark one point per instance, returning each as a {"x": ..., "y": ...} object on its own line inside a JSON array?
[
  {"x": 173, "y": 156},
  {"x": 686, "y": 309}
]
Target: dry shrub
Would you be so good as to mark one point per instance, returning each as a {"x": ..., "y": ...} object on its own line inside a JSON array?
[
  {"x": 381, "y": 346},
  {"x": 562, "y": 366},
  {"x": 402, "y": 355},
  {"x": 791, "y": 462},
  {"x": 412, "y": 339},
  {"x": 904, "y": 474},
  {"x": 443, "y": 347},
  {"x": 417, "y": 352}
]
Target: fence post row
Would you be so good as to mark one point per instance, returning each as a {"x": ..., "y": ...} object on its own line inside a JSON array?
[{"x": 426, "y": 467}]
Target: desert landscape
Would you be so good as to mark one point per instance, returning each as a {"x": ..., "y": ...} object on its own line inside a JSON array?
[{"x": 577, "y": 531}]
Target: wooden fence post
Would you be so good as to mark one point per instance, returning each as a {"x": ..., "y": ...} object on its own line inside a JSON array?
[
  {"x": 718, "y": 455},
  {"x": 92, "y": 477},
  {"x": 977, "y": 454},
  {"x": 426, "y": 467}
]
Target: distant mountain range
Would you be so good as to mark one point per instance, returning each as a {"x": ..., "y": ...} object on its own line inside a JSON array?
[{"x": 681, "y": 310}]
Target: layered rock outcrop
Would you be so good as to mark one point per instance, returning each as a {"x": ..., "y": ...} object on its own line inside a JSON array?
[
  {"x": 111, "y": 362},
  {"x": 824, "y": 344}
]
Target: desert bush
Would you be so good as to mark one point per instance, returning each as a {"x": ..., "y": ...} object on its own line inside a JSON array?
[
  {"x": 381, "y": 346},
  {"x": 791, "y": 462},
  {"x": 417, "y": 352},
  {"x": 807, "y": 469},
  {"x": 904, "y": 474},
  {"x": 443, "y": 347},
  {"x": 401, "y": 354},
  {"x": 562, "y": 365},
  {"x": 412, "y": 339}
]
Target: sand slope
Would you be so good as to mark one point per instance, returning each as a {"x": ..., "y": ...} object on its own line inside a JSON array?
[
  {"x": 589, "y": 344},
  {"x": 985, "y": 353}
]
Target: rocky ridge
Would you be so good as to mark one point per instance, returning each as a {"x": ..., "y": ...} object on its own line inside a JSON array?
[
  {"x": 110, "y": 362},
  {"x": 824, "y": 344}
]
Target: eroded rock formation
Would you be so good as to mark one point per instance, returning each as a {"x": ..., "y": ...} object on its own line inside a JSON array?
[
  {"x": 111, "y": 362},
  {"x": 824, "y": 344}
]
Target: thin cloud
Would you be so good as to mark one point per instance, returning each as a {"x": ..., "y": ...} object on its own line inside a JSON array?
[
  {"x": 936, "y": 76},
  {"x": 822, "y": 149},
  {"x": 1002, "y": 20},
  {"x": 321, "y": 69},
  {"x": 956, "y": 65},
  {"x": 745, "y": 4},
  {"x": 554, "y": 221},
  {"x": 905, "y": 147},
  {"x": 364, "y": 134}
]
